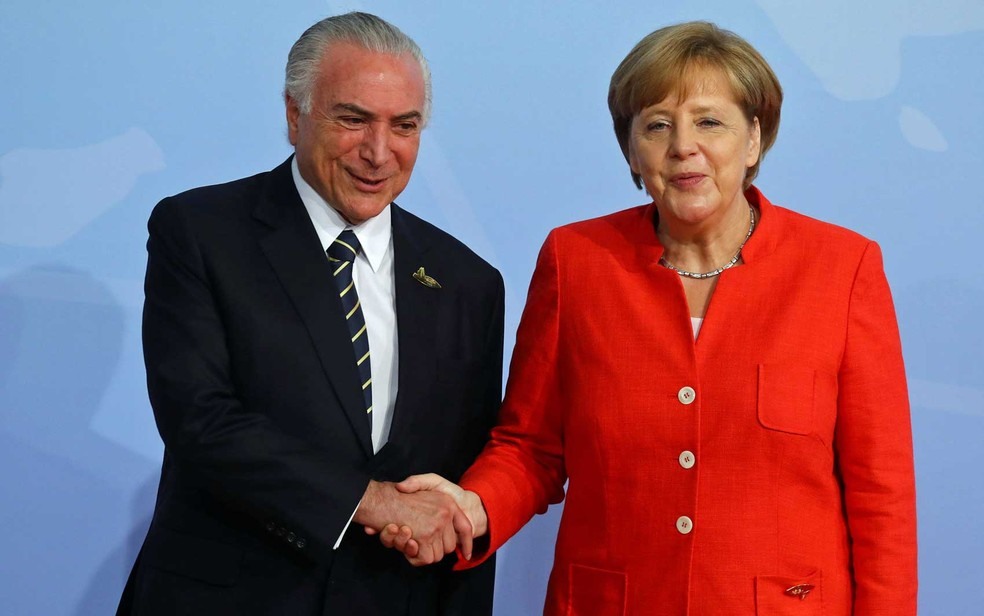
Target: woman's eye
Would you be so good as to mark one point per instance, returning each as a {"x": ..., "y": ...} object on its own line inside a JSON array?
[
  {"x": 657, "y": 126},
  {"x": 709, "y": 122}
]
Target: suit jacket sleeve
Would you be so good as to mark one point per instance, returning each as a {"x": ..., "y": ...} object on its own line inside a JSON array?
[
  {"x": 521, "y": 471},
  {"x": 235, "y": 453},
  {"x": 874, "y": 449}
]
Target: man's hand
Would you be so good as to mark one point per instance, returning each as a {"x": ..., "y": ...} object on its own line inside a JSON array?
[
  {"x": 438, "y": 523},
  {"x": 405, "y": 538}
]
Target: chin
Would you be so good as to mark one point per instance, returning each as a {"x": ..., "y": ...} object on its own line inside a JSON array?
[
  {"x": 690, "y": 209},
  {"x": 364, "y": 212}
]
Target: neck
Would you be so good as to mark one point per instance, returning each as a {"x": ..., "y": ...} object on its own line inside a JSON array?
[{"x": 707, "y": 245}]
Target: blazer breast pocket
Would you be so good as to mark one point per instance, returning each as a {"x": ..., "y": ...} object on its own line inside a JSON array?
[{"x": 785, "y": 398}]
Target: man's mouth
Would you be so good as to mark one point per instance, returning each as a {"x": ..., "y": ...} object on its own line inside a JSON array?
[{"x": 367, "y": 182}]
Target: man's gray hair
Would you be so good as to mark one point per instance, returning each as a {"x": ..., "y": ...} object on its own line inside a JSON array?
[{"x": 362, "y": 29}]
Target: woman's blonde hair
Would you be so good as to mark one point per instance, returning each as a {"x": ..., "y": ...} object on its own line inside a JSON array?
[{"x": 665, "y": 62}]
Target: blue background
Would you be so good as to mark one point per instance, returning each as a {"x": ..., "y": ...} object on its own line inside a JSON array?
[{"x": 109, "y": 106}]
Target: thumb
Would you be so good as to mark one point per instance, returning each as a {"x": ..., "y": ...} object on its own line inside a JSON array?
[{"x": 416, "y": 483}]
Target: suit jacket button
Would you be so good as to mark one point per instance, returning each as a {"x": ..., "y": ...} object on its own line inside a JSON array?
[
  {"x": 271, "y": 526},
  {"x": 300, "y": 543},
  {"x": 291, "y": 537},
  {"x": 281, "y": 531}
]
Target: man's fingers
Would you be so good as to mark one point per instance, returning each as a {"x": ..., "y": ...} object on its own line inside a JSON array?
[
  {"x": 389, "y": 535},
  {"x": 425, "y": 554},
  {"x": 403, "y": 540},
  {"x": 408, "y": 546},
  {"x": 448, "y": 537}
]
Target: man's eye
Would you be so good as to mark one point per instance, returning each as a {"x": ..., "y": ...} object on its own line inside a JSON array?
[
  {"x": 406, "y": 128},
  {"x": 353, "y": 120}
]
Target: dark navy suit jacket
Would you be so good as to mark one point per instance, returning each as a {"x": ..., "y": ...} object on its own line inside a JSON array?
[{"x": 257, "y": 399}]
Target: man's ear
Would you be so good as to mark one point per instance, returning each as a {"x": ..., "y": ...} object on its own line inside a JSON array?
[{"x": 293, "y": 116}]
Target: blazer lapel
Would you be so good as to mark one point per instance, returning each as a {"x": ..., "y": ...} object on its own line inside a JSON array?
[
  {"x": 416, "y": 319},
  {"x": 294, "y": 251}
]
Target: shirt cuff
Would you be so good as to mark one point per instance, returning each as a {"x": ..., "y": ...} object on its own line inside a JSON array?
[{"x": 347, "y": 524}]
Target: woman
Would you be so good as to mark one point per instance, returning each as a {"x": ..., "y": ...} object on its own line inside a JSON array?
[{"x": 718, "y": 379}]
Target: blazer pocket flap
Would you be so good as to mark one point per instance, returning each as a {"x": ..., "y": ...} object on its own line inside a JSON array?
[
  {"x": 596, "y": 592},
  {"x": 203, "y": 559},
  {"x": 785, "y": 398},
  {"x": 784, "y": 595}
]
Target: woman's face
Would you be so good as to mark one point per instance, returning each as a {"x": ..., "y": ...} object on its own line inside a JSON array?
[{"x": 692, "y": 154}]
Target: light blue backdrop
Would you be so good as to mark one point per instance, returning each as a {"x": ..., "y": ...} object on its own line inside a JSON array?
[{"x": 109, "y": 106}]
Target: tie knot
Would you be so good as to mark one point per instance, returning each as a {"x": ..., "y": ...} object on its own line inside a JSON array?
[{"x": 345, "y": 247}]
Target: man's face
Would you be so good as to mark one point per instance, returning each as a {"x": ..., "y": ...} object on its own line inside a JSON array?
[{"x": 358, "y": 144}]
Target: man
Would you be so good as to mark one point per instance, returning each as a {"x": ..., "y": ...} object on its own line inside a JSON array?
[{"x": 307, "y": 342}]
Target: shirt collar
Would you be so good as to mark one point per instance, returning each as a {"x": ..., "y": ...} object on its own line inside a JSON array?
[{"x": 375, "y": 235}]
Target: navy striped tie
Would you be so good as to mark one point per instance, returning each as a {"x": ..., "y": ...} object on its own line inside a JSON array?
[{"x": 342, "y": 253}]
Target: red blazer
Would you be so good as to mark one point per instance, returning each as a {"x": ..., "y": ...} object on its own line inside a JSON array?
[{"x": 771, "y": 458}]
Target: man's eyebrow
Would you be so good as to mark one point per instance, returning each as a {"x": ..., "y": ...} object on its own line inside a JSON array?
[
  {"x": 365, "y": 113},
  {"x": 354, "y": 109},
  {"x": 410, "y": 115}
]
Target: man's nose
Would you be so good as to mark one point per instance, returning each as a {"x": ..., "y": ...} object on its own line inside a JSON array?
[{"x": 375, "y": 144}]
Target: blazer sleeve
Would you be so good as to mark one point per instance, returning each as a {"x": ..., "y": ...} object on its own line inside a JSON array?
[
  {"x": 212, "y": 438},
  {"x": 873, "y": 443},
  {"x": 521, "y": 471}
]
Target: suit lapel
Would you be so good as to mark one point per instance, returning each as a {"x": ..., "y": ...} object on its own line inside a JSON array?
[
  {"x": 416, "y": 318},
  {"x": 293, "y": 249}
]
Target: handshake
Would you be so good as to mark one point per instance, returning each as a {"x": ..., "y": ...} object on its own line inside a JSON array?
[{"x": 423, "y": 516}]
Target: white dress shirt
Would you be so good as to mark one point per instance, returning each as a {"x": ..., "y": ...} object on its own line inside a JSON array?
[{"x": 374, "y": 282}]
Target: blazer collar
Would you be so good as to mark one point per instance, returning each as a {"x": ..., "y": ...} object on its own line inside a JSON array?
[{"x": 768, "y": 228}]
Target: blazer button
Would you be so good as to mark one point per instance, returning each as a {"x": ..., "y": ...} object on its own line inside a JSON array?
[
  {"x": 281, "y": 531},
  {"x": 300, "y": 543},
  {"x": 684, "y": 525},
  {"x": 291, "y": 537},
  {"x": 687, "y": 459},
  {"x": 271, "y": 526},
  {"x": 686, "y": 395}
]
